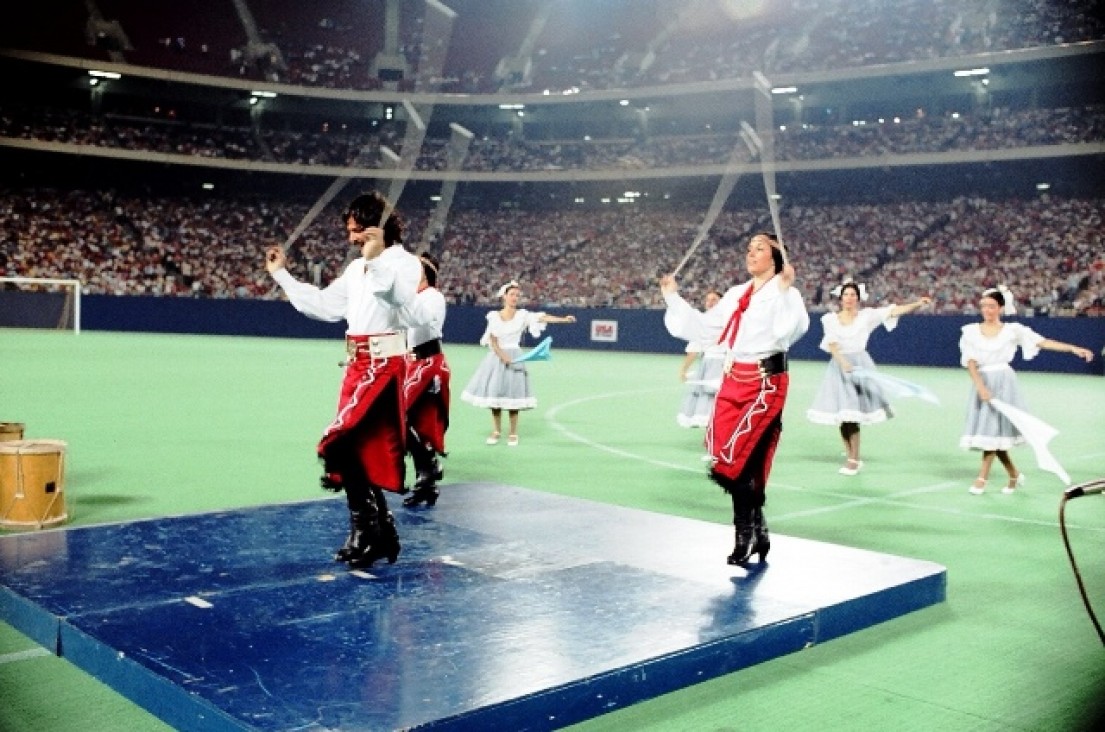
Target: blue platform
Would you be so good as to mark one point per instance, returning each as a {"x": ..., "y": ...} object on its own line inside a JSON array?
[{"x": 508, "y": 609}]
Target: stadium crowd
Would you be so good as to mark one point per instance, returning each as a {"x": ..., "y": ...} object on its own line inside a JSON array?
[
  {"x": 580, "y": 44},
  {"x": 996, "y": 129},
  {"x": 1048, "y": 249}
]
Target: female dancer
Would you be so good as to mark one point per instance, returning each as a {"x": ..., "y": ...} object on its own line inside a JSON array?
[
  {"x": 499, "y": 383},
  {"x": 701, "y": 369},
  {"x": 842, "y": 399},
  {"x": 759, "y": 321},
  {"x": 986, "y": 349}
]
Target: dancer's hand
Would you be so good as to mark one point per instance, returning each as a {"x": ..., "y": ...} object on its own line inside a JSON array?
[
  {"x": 275, "y": 259},
  {"x": 786, "y": 277}
]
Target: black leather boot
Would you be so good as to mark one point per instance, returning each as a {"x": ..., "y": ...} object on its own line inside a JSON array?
[
  {"x": 346, "y": 550},
  {"x": 425, "y": 487},
  {"x": 428, "y": 472},
  {"x": 763, "y": 538},
  {"x": 745, "y": 537},
  {"x": 384, "y": 540}
]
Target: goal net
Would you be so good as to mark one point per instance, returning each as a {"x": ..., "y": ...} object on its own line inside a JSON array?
[{"x": 36, "y": 302}]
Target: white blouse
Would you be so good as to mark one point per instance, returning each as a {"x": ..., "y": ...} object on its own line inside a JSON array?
[
  {"x": 999, "y": 349},
  {"x": 509, "y": 332},
  {"x": 852, "y": 338},
  {"x": 773, "y": 322}
]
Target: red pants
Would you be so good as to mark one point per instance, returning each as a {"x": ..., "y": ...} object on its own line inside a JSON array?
[
  {"x": 746, "y": 417},
  {"x": 426, "y": 394},
  {"x": 370, "y": 424}
]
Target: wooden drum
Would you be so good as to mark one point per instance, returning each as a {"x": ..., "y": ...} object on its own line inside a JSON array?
[
  {"x": 32, "y": 484},
  {"x": 11, "y": 431}
]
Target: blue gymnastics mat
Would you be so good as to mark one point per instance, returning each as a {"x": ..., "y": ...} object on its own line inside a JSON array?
[{"x": 508, "y": 609}]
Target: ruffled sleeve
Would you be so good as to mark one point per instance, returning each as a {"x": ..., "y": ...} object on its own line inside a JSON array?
[
  {"x": 968, "y": 344},
  {"x": 791, "y": 319},
  {"x": 534, "y": 324},
  {"x": 485, "y": 339},
  {"x": 830, "y": 324},
  {"x": 1028, "y": 340},
  {"x": 882, "y": 316}
]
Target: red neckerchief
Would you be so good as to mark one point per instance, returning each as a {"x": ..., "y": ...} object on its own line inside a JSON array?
[{"x": 729, "y": 335}]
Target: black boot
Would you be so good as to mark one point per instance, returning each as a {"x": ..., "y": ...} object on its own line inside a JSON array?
[
  {"x": 425, "y": 485},
  {"x": 389, "y": 539},
  {"x": 745, "y": 535},
  {"x": 763, "y": 538},
  {"x": 384, "y": 542},
  {"x": 428, "y": 472},
  {"x": 346, "y": 550}
]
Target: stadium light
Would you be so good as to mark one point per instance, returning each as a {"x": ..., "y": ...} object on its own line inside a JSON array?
[
  {"x": 264, "y": 94},
  {"x": 95, "y": 73},
  {"x": 784, "y": 90},
  {"x": 972, "y": 72}
]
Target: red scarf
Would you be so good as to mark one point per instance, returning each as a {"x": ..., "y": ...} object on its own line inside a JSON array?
[{"x": 729, "y": 335}]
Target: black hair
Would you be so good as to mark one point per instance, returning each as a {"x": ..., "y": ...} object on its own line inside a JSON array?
[
  {"x": 368, "y": 208},
  {"x": 429, "y": 268},
  {"x": 776, "y": 251},
  {"x": 995, "y": 294},
  {"x": 852, "y": 285}
]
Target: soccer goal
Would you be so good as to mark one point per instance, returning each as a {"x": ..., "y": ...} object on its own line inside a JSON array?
[{"x": 38, "y": 302}]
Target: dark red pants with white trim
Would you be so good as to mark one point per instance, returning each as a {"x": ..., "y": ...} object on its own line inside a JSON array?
[
  {"x": 370, "y": 424},
  {"x": 745, "y": 427}
]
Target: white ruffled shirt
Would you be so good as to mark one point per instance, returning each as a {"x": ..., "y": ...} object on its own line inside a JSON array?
[
  {"x": 773, "y": 322},
  {"x": 999, "y": 349},
  {"x": 853, "y": 337},
  {"x": 373, "y": 296},
  {"x": 509, "y": 332}
]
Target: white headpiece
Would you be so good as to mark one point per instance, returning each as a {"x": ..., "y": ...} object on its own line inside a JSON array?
[
  {"x": 1010, "y": 306},
  {"x": 507, "y": 286},
  {"x": 862, "y": 288}
]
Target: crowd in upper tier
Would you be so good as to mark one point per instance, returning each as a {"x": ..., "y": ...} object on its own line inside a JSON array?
[
  {"x": 492, "y": 45},
  {"x": 997, "y": 129}
]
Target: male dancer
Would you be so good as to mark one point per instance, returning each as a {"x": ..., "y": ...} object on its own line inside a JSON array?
[
  {"x": 362, "y": 448},
  {"x": 426, "y": 390},
  {"x": 759, "y": 320}
]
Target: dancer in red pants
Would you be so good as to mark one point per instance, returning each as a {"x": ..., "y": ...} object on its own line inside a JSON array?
[
  {"x": 759, "y": 321},
  {"x": 362, "y": 449}
]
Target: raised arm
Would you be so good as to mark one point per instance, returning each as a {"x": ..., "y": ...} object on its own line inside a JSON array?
[{"x": 899, "y": 310}]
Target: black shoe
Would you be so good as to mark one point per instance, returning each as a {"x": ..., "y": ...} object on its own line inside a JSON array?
[
  {"x": 744, "y": 545},
  {"x": 347, "y": 550},
  {"x": 427, "y": 494}
]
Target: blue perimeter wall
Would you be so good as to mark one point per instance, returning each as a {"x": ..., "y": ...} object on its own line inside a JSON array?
[{"x": 919, "y": 340}]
